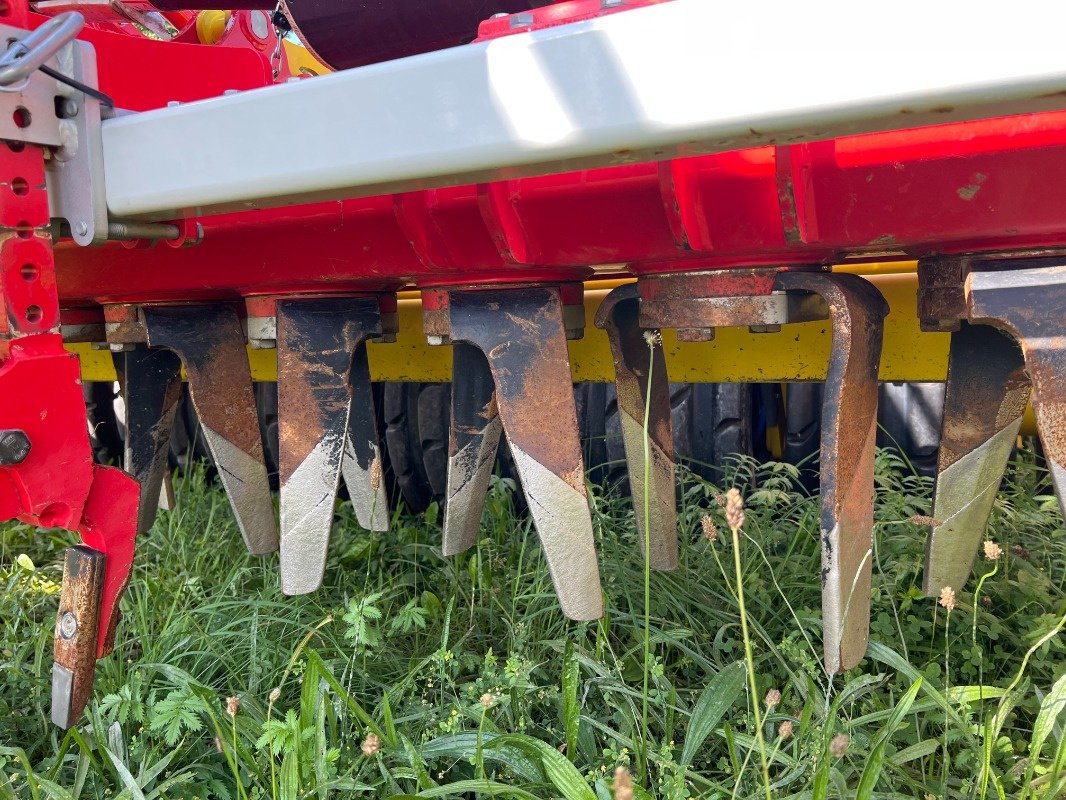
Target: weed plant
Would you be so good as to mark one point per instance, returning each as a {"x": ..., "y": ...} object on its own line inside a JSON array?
[{"x": 410, "y": 675}]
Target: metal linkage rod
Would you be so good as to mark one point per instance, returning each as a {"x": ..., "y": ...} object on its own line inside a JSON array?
[{"x": 682, "y": 78}]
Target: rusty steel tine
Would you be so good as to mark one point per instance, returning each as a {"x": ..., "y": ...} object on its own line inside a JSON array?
[
  {"x": 1030, "y": 304},
  {"x": 986, "y": 394},
  {"x": 316, "y": 342},
  {"x": 849, "y": 428},
  {"x": 77, "y": 626},
  {"x": 151, "y": 384},
  {"x": 361, "y": 464},
  {"x": 521, "y": 332},
  {"x": 474, "y": 437},
  {"x": 618, "y": 315},
  {"x": 210, "y": 341}
]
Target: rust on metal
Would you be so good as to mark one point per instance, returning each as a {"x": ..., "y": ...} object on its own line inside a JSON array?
[
  {"x": 987, "y": 389},
  {"x": 522, "y": 334},
  {"x": 124, "y": 324},
  {"x": 77, "y": 622},
  {"x": 635, "y": 358},
  {"x": 1030, "y": 304},
  {"x": 732, "y": 283},
  {"x": 325, "y": 418},
  {"x": 150, "y": 379},
  {"x": 849, "y": 427},
  {"x": 986, "y": 394},
  {"x": 473, "y": 439},
  {"x": 707, "y": 313},
  {"x": 764, "y": 299},
  {"x": 210, "y": 342}
]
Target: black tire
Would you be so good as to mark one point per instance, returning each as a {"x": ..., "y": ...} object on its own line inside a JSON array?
[
  {"x": 106, "y": 432},
  {"x": 712, "y": 422},
  {"x": 434, "y": 419},
  {"x": 712, "y": 425},
  {"x": 909, "y": 417},
  {"x": 591, "y": 400},
  {"x": 187, "y": 443},
  {"x": 403, "y": 441},
  {"x": 266, "y": 403},
  {"x": 803, "y": 430}
]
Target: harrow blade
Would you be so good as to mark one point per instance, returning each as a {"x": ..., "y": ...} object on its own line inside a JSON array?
[
  {"x": 77, "y": 622},
  {"x": 522, "y": 334},
  {"x": 361, "y": 467},
  {"x": 151, "y": 384},
  {"x": 986, "y": 394},
  {"x": 634, "y": 360},
  {"x": 472, "y": 444},
  {"x": 211, "y": 344},
  {"x": 95, "y": 575},
  {"x": 323, "y": 382},
  {"x": 849, "y": 431},
  {"x": 701, "y": 301},
  {"x": 1030, "y": 304}
]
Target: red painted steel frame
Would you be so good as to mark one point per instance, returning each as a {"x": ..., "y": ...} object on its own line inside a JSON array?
[
  {"x": 55, "y": 483},
  {"x": 955, "y": 188},
  {"x": 963, "y": 187}
]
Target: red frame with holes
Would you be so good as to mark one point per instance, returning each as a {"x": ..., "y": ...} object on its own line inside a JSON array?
[{"x": 963, "y": 187}]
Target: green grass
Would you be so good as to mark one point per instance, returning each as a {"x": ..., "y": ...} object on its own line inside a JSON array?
[{"x": 412, "y": 675}]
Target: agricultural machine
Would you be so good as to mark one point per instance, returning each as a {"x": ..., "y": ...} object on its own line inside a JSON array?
[{"x": 433, "y": 190}]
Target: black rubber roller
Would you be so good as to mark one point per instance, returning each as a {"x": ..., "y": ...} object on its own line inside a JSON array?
[{"x": 351, "y": 33}]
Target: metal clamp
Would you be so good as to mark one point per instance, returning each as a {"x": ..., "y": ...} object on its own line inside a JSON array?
[{"x": 28, "y": 54}]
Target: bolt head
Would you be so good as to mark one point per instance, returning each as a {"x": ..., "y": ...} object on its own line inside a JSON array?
[
  {"x": 68, "y": 108},
  {"x": 82, "y": 228},
  {"x": 68, "y": 625},
  {"x": 14, "y": 447}
]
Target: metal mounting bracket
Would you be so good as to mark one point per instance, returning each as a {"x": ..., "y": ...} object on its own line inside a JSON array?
[{"x": 75, "y": 173}]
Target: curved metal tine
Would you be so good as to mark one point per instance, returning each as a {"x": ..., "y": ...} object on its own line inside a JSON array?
[
  {"x": 1029, "y": 304},
  {"x": 210, "y": 341},
  {"x": 618, "y": 315},
  {"x": 521, "y": 333},
  {"x": 472, "y": 444},
  {"x": 361, "y": 465},
  {"x": 849, "y": 429},
  {"x": 77, "y": 626},
  {"x": 986, "y": 395},
  {"x": 317, "y": 339},
  {"x": 151, "y": 388}
]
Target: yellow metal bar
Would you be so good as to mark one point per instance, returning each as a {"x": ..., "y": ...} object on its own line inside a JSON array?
[{"x": 797, "y": 352}]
